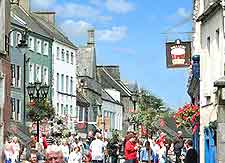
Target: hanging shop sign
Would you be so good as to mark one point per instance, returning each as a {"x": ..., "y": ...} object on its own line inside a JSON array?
[{"x": 178, "y": 54}]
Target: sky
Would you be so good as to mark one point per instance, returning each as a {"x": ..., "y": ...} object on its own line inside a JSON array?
[{"x": 131, "y": 34}]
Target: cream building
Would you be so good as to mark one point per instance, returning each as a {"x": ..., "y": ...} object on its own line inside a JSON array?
[{"x": 208, "y": 42}]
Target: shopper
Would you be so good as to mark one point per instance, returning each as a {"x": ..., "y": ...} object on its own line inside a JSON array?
[
  {"x": 54, "y": 154},
  {"x": 178, "y": 145},
  {"x": 75, "y": 156},
  {"x": 191, "y": 156},
  {"x": 97, "y": 148},
  {"x": 146, "y": 153},
  {"x": 131, "y": 149}
]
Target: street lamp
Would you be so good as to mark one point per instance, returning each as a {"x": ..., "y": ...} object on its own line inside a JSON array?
[
  {"x": 220, "y": 84},
  {"x": 37, "y": 92}
]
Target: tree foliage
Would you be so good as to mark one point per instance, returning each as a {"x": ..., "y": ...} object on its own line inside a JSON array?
[{"x": 148, "y": 109}]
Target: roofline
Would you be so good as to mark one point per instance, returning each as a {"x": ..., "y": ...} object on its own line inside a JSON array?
[
  {"x": 116, "y": 81},
  {"x": 44, "y": 12},
  {"x": 65, "y": 44},
  {"x": 99, "y": 66}
]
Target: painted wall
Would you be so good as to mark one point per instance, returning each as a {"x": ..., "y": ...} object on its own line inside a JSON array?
[{"x": 64, "y": 97}]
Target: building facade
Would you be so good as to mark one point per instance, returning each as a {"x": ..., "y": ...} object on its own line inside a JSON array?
[{"x": 208, "y": 42}]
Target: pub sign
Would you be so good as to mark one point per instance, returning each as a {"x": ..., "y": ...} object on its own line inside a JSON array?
[{"x": 178, "y": 54}]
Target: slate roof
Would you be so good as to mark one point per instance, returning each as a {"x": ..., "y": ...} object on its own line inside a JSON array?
[
  {"x": 108, "y": 81},
  {"x": 30, "y": 22},
  {"x": 107, "y": 97},
  {"x": 52, "y": 30},
  {"x": 81, "y": 101}
]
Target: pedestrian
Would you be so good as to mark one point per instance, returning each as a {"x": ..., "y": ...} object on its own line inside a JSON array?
[
  {"x": 54, "y": 154},
  {"x": 146, "y": 153},
  {"x": 16, "y": 149},
  {"x": 178, "y": 145},
  {"x": 155, "y": 150},
  {"x": 131, "y": 149},
  {"x": 75, "y": 156},
  {"x": 162, "y": 153},
  {"x": 170, "y": 154},
  {"x": 191, "y": 155},
  {"x": 8, "y": 152},
  {"x": 33, "y": 156},
  {"x": 65, "y": 149},
  {"x": 97, "y": 148}
]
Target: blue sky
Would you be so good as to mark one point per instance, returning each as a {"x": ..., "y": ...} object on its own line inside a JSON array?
[{"x": 129, "y": 34}]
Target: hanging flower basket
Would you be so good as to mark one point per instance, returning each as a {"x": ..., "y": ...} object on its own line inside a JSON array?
[
  {"x": 188, "y": 117},
  {"x": 40, "y": 110}
]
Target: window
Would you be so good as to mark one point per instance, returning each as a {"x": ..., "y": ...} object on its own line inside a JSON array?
[
  {"x": 57, "y": 53},
  {"x": 71, "y": 85},
  {"x": 13, "y": 108},
  {"x": 31, "y": 43},
  {"x": 62, "y": 109},
  {"x": 67, "y": 84},
  {"x": 13, "y": 75},
  {"x": 81, "y": 113},
  {"x": 67, "y": 56},
  {"x": 38, "y": 46},
  {"x": 31, "y": 73},
  {"x": 57, "y": 111},
  {"x": 62, "y": 82},
  {"x": 18, "y": 76},
  {"x": 63, "y": 53},
  {"x": 18, "y": 110},
  {"x": 12, "y": 38},
  {"x": 57, "y": 81},
  {"x": 18, "y": 38},
  {"x": 208, "y": 45},
  {"x": 45, "y": 48},
  {"x": 72, "y": 58},
  {"x": 218, "y": 38},
  {"x": 38, "y": 73},
  {"x": 71, "y": 110},
  {"x": 45, "y": 75},
  {"x": 66, "y": 110}
]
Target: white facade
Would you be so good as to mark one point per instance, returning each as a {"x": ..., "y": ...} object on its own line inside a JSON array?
[
  {"x": 2, "y": 101},
  {"x": 113, "y": 110},
  {"x": 208, "y": 42},
  {"x": 64, "y": 82}
]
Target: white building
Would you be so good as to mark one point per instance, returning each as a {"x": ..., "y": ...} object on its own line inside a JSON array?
[
  {"x": 112, "y": 109},
  {"x": 63, "y": 70},
  {"x": 208, "y": 42}
]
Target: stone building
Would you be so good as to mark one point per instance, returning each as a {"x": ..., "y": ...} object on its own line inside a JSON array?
[
  {"x": 109, "y": 77},
  {"x": 87, "y": 79}
]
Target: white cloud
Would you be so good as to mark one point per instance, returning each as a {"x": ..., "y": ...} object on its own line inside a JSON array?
[
  {"x": 75, "y": 29},
  {"x": 71, "y": 10},
  {"x": 119, "y": 6},
  {"x": 42, "y": 4},
  {"x": 182, "y": 12},
  {"x": 113, "y": 35}
]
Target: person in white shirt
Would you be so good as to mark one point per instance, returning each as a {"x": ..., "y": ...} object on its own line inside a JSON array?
[
  {"x": 75, "y": 156},
  {"x": 97, "y": 149},
  {"x": 65, "y": 149}
]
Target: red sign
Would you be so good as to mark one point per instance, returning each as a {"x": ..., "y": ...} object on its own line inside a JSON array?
[{"x": 178, "y": 54}]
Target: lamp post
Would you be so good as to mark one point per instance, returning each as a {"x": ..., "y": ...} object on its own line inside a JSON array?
[
  {"x": 220, "y": 84},
  {"x": 37, "y": 92},
  {"x": 134, "y": 98}
]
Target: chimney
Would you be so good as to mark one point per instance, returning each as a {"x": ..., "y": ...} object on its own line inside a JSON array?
[
  {"x": 49, "y": 16},
  {"x": 25, "y": 4},
  {"x": 91, "y": 37}
]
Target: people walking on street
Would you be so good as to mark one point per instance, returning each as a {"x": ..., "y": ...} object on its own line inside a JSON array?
[
  {"x": 191, "y": 155},
  {"x": 8, "y": 153},
  {"x": 171, "y": 157},
  {"x": 155, "y": 149},
  {"x": 178, "y": 145},
  {"x": 146, "y": 153},
  {"x": 162, "y": 152},
  {"x": 131, "y": 149},
  {"x": 97, "y": 148},
  {"x": 16, "y": 149},
  {"x": 75, "y": 156}
]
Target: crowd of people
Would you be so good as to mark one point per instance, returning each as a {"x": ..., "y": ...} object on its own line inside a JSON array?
[{"x": 96, "y": 149}]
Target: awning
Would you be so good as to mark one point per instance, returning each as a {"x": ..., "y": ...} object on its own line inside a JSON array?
[{"x": 20, "y": 131}]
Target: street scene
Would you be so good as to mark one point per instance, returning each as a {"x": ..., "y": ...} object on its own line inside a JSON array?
[{"x": 112, "y": 81}]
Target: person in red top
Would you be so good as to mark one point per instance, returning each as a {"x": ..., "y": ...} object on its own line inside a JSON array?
[
  {"x": 45, "y": 144},
  {"x": 131, "y": 149}
]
